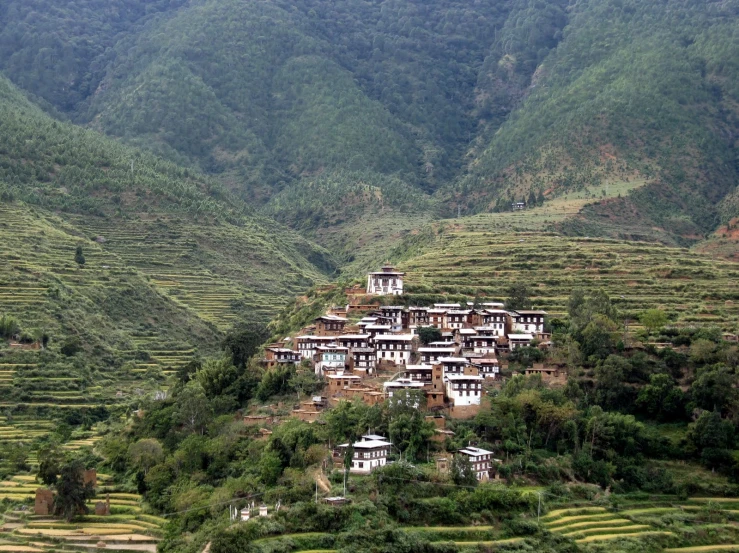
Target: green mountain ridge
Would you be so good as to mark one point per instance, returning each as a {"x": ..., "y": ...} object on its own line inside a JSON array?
[{"x": 453, "y": 106}]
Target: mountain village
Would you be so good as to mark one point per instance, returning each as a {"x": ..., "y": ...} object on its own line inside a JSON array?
[{"x": 370, "y": 352}]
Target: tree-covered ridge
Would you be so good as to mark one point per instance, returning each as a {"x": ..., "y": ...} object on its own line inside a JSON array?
[{"x": 479, "y": 103}]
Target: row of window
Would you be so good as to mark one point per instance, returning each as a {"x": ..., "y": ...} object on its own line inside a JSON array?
[
  {"x": 402, "y": 347},
  {"x": 372, "y": 454},
  {"x": 465, "y": 386}
]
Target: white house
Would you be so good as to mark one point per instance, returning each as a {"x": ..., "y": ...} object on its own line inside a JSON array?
[
  {"x": 431, "y": 354},
  {"x": 307, "y": 346},
  {"x": 464, "y": 389},
  {"x": 453, "y": 365},
  {"x": 393, "y": 386},
  {"x": 394, "y": 347},
  {"x": 528, "y": 321},
  {"x": 495, "y": 320},
  {"x": 518, "y": 340},
  {"x": 480, "y": 460},
  {"x": 386, "y": 282},
  {"x": 369, "y": 453},
  {"x": 487, "y": 367},
  {"x": 330, "y": 358}
]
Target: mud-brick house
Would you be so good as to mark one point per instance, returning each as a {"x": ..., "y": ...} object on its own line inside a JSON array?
[
  {"x": 386, "y": 282},
  {"x": 276, "y": 355},
  {"x": 551, "y": 375},
  {"x": 339, "y": 383},
  {"x": 329, "y": 325},
  {"x": 309, "y": 411}
]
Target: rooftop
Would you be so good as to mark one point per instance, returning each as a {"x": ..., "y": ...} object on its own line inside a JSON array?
[{"x": 475, "y": 451}]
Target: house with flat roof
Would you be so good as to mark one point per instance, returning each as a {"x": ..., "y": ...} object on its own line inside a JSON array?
[
  {"x": 394, "y": 347},
  {"x": 370, "y": 453},
  {"x": 480, "y": 459}
]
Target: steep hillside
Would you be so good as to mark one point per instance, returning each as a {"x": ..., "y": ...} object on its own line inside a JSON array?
[
  {"x": 202, "y": 248},
  {"x": 629, "y": 89},
  {"x": 313, "y": 108}
]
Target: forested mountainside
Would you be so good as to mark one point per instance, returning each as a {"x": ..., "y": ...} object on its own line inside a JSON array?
[{"x": 437, "y": 107}]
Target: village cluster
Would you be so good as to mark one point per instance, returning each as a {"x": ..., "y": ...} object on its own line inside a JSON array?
[{"x": 380, "y": 354}]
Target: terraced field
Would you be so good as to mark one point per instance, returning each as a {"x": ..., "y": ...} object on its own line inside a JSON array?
[
  {"x": 476, "y": 256},
  {"x": 125, "y": 529},
  {"x": 595, "y": 524},
  {"x": 221, "y": 272}
]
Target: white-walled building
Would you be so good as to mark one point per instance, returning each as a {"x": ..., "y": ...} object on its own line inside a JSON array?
[
  {"x": 307, "y": 346},
  {"x": 369, "y": 453},
  {"x": 453, "y": 365},
  {"x": 394, "y": 347},
  {"x": 495, "y": 320},
  {"x": 528, "y": 321},
  {"x": 464, "y": 389},
  {"x": 518, "y": 340},
  {"x": 387, "y": 282},
  {"x": 432, "y": 354},
  {"x": 487, "y": 367},
  {"x": 330, "y": 358},
  {"x": 480, "y": 460}
]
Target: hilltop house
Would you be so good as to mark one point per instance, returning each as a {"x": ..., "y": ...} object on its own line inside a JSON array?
[{"x": 387, "y": 282}]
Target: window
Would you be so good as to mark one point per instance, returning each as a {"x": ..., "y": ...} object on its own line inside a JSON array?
[{"x": 361, "y": 465}]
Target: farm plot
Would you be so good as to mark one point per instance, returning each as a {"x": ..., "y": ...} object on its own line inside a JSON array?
[
  {"x": 473, "y": 259},
  {"x": 120, "y": 531},
  {"x": 590, "y": 525}
]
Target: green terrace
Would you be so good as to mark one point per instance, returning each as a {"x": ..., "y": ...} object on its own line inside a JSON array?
[{"x": 474, "y": 258}]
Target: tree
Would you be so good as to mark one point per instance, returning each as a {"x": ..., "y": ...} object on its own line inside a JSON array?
[
  {"x": 79, "y": 256},
  {"x": 540, "y": 197},
  {"x": 462, "y": 473},
  {"x": 50, "y": 459},
  {"x": 653, "y": 319},
  {"x": 532, "y": 198},
  {"x": 714, "y": 389},
  {"x": 71, "y": 491},
  {"x": 661, "y": 399},
  {"x": 194, "y": 410},
  {"x": 597, "y": 337},
  {"x": 216, "y": 375},
  {"x": 244, "y": 341},
  {"x": 518, "y": 296},
  {"x": 145, "y": 453},
  {"x": 428, "y": 334}
]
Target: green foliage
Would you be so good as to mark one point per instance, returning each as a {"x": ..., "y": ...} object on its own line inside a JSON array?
[
  {"x": 518, "y": 296},
  {"x": 79, "y": 256},
  {"x": 462, "y": 473},
  {"x": 428, "y": 334},
  {"x": 653, "y": 319},
  {"x": 71, "y": 491}
]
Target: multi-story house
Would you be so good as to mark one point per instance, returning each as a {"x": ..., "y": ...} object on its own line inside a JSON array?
[{"x": 394, "y": 347}]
